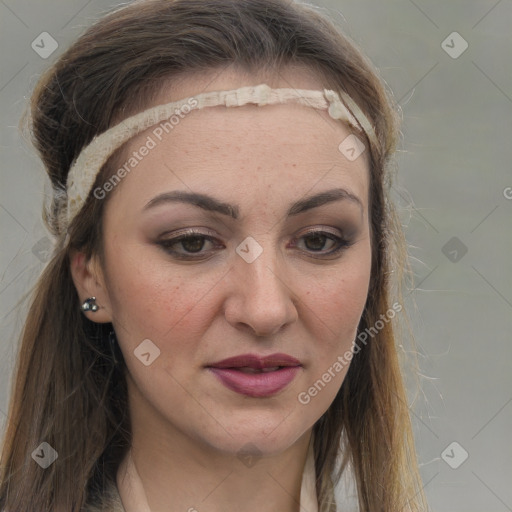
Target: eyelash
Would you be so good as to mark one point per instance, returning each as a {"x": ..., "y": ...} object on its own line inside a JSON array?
[{"x": 192, "y": 234}]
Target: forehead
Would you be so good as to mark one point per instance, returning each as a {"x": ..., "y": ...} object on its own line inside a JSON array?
[{"x": 290, "y": 148}]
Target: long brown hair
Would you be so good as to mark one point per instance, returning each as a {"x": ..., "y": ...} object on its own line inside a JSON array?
[{"x": 66, "y": 390}]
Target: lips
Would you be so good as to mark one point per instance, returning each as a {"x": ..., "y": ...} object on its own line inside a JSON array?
[{"x": 256, "y": 376}]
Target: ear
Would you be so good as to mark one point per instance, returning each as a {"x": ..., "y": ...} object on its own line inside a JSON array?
[{"x": 90, "y": 282}]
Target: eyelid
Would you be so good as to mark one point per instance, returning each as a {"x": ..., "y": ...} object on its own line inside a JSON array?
[
  {"x": 342, "y": 242},
  {"x": 206, "y": 232},
  {"x": 189, "y": 231},
  {"x": 323, "y": 229},
  {"x": 183, "y": 234}
]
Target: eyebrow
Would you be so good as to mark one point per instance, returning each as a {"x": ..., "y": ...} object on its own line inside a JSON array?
[{"x": 212, "y": 204}]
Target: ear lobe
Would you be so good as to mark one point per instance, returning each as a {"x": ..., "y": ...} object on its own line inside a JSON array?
[{"x": 89, "y": 282}]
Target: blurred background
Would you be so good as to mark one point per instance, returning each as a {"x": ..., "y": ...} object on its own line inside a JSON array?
[{"x": 449, "y": 67}]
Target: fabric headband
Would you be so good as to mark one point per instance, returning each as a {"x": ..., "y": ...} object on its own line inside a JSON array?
[{"x": 84, "y": 169}]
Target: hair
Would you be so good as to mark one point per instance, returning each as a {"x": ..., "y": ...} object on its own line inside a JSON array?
[{"x": 65, "y": 389}]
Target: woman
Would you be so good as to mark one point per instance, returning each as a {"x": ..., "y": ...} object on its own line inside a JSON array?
[{"x": 215, "y": 328}]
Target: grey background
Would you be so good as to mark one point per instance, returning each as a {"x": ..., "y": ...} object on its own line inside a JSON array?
[{"x": 454, "y": 181}]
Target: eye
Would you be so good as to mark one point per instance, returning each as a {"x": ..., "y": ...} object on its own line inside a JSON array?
[
  {"x": 315, "y": 242},
  {"x": 191, "y": 243}
]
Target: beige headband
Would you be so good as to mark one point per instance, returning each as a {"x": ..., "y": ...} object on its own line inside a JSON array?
[{"x": 83, "y": 172}]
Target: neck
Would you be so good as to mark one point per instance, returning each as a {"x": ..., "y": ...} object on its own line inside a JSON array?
[{"x": 169, "y": 471}]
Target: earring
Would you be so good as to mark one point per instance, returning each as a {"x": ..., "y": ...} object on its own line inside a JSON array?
[{"x": 90, "y": 305}]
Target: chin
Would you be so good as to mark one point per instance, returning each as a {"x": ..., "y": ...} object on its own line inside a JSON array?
[{"x": 266, "y": 434}]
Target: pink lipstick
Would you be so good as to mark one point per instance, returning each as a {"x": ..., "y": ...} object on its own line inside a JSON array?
[{"x": 256, "y": 376}]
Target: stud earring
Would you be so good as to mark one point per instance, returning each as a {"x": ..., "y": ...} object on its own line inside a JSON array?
[{"x": 90, "y": 305}]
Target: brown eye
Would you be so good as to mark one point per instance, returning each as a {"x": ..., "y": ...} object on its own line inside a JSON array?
[
  {"x": 315, "y": 242},
  {"x": 192, "y": 243},
  {"x": 189, "y": 245}
]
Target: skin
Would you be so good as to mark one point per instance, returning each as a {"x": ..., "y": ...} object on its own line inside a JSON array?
[{"x": 187, "y": 426}]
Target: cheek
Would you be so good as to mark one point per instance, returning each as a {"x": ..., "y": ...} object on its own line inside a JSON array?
[
  {"x": 341, "y": 297},
  {"x": 338, "y": 298},
  {"x": 336, "y": 304},
  {"x": 156, "y": 302},
  {"x": 336, "y": 307}
]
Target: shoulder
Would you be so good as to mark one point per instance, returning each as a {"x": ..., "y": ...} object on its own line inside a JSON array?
[{"x": 109, "y": 501}]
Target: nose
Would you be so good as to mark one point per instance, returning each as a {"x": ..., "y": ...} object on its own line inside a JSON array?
[{"x": 261, "y": 299}]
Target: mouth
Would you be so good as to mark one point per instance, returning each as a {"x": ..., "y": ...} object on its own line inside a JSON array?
[
  {"x": 248, "y": 369},
  {"x": 256, "y": 376}
]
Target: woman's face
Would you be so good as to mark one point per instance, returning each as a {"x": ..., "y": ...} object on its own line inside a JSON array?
[{"x": 267, "y": 252}]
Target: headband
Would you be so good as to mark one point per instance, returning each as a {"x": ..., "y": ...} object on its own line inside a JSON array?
[{"x": 91, "y": 159}]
